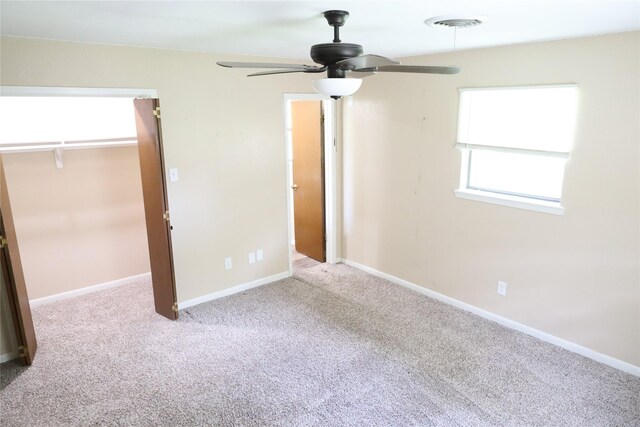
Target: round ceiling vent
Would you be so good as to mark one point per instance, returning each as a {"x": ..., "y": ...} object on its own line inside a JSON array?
[{"x": 456, "y": 21}]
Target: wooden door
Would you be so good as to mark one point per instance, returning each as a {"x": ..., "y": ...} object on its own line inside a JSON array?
[
  {"x": 308, "y": 178},
  {"x": 155, "y": 206},
  {"x": 14, "y": 277}
]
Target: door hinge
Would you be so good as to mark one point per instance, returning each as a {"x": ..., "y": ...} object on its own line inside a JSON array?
[
  {"x": 174, "y": 307},
  {"x": 166, "y": 216},
  {"x": 3, "y": 241},
  {"x": 23, "y": 350},
  {"x": 156, "y": 112}
]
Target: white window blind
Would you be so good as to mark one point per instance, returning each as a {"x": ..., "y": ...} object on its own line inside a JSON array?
[{"x": 537, "y": 119}]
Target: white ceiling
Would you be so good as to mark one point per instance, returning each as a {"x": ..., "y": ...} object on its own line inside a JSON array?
[{"x": 287, "y": 29}]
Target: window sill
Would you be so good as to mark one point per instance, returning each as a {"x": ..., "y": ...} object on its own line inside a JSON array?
[{"x": 511, "y": 201}]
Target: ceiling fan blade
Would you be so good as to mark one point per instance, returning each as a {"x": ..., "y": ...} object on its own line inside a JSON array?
[
  {"x": 296, "y": 67},
  {"x": 361, "y": 74},
  {"x": 365, "y": 61},
  {"x": 423, "y": 69},
  {"x": 267, "y": 73}
]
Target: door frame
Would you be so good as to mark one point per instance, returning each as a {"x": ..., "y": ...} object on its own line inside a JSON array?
[
  {"x": 52, "y": 91},
  {"x": 330, "y": 152},
  {"x": 95, "y": 92}
]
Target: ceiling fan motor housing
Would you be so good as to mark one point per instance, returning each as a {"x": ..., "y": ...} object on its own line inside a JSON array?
[{"x": 330, "y": 53}]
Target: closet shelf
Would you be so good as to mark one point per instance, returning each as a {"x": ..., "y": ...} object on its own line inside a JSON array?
[{"x": 67, "y": 145}]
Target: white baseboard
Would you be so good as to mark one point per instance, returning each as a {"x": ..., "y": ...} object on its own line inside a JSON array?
[
  {"x": 9, "y": 356},
  {"x": 552, "y": 339},
  {"x": 233, "y": 290},
  {"x": 89, "y": 289}
]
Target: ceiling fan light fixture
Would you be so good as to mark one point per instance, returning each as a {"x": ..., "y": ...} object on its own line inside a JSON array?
[
  {"x": 337, "y": 87},
  {"x": 457, "y": 21}
]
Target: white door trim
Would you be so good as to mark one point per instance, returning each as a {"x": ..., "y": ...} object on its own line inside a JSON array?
[
  {"x": 330, "y": 112},
  {"x": 77, "y": 92}
]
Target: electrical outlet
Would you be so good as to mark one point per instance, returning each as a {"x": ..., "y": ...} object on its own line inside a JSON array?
[
  {"x": 252, "y": 257},
  {"x": 228, "y": 264},
  {"x": 259, "y": 255},
  {"x": 502, "y": 288}
]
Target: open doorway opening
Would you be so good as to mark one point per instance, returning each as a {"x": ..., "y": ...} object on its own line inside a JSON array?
[
  {"x": 86, "y": 183},
  {"x": 310, "y": 130},
  {"x": 73, "y": 177}
]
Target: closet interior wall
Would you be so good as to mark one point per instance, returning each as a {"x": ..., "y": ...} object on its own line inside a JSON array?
[{"x": 79, "y": 225}]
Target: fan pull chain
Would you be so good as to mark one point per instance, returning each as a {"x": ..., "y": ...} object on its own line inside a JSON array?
[{"x": 455, "y": 34}]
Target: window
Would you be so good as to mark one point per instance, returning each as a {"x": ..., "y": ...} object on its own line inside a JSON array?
[{"x": 515, "y": 143}]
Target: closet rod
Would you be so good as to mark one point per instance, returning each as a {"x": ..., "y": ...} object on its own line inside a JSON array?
[{"x": 67, "y": 145}]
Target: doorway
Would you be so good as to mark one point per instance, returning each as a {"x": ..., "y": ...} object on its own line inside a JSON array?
[
  {"x": 145, "y": 113},
  {"x": 311, "y": 154}
]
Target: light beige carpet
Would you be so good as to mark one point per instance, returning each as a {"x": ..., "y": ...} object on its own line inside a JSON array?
[
  {"x": 305, "y": 262},
  {"x": 332, "y": 346}
]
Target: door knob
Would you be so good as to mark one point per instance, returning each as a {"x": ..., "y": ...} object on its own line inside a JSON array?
[{"x": 294, "y": 187}]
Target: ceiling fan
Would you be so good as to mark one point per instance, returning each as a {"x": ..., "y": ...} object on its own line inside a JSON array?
[{"x": 339, "y": 59}]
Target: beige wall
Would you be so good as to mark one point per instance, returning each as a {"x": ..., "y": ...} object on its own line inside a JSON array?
[
  {"x": 574, "y": 276},
  {"x": 81, "y": 225},
  {"x": 223, "y": 131}
]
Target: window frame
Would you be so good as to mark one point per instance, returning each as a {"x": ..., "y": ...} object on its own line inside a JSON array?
[{"x": 504, "y": 198}]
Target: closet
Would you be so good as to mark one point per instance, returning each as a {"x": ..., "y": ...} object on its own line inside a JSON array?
[
  {"x": 73, "y": 173},
  {"x": 73, "y": 177}
]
